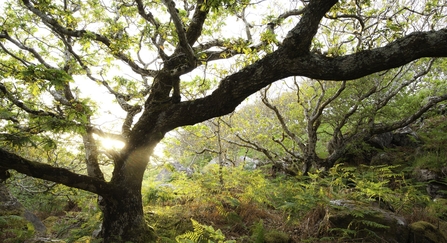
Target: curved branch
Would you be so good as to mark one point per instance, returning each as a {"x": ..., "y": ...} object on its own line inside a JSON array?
[
  {"x": 287, "y": 14},
  {"x": 236, "y": 87},
  {"x": 24, "y": 62},
  {"x": 208, "y": 45},
  {"x": 248, "y": 26},
  {"x": 432, "y": 101},
  {"x": 358, "y": 18},
  {"x": 150, "y": 18},
  {"x": 321, "y": 106},
  {"x": 103, "y": 134},
  {"x": 122, "y": 99},
  {"x": 59, "y": 175},
  {"x": 280, "y": 118},
  {"x": 385, "y": 100},
  {"x": 252, "y": 145},
  {"x": 181, "y": 32}
]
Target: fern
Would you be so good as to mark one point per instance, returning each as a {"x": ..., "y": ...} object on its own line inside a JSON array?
[
  {"x": 371, "y": 224},
  {"x": 202, "y": 234},
  {"x": 258, "y": 234}
]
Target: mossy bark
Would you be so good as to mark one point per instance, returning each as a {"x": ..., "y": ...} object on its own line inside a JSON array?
[{"x": 124, "y": 218}]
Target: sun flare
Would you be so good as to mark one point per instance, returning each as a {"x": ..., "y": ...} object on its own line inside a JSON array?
[{"x": 108, "y": 143}]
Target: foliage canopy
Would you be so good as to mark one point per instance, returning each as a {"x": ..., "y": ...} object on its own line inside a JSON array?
[{"x": 146, "y": 56}]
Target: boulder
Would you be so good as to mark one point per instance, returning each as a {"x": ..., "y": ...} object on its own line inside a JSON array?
[
  {"x": 406, "y": 137},
  {"x": 436, "y": 181},
  {"x": 424, "y": 175},
  {"x": 381, "y": 141},
  {"x": 382, "y": 158},
  {"x": 164, "y": 175},
  {"x": 437, "y": 189},
  {"x": 369, "y": 223}
]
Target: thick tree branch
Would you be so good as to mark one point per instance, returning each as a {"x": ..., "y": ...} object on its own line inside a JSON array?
[
  {"x": 300, "y": 37},
  {"x": 195, "y": 27},
  {"x": 91, "y": 156},
  {"x": 395, "y": 54},
  {"x": 236, "y": 87},
  {"x": 181, "y": 32},
  {"x": 59, "y": 175}
]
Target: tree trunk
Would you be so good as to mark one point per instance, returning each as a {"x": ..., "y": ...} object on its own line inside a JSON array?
[{"x": 123, "y": 217}]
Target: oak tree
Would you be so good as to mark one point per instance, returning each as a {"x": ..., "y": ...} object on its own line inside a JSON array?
[
  {"x": 53, "y": 51},
  {"x": 321, "y": 122}
]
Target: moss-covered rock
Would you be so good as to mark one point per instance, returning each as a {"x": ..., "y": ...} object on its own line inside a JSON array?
[
  {"x": 368, "y": 223},
  {"x": 16, "y": 223},
  {"x": 424, "y": 232}
]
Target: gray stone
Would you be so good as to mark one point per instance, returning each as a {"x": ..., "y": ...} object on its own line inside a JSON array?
[
  {"x": 9, "y": 205},
  {"x": 425, "y": 175},
  {"x": 406, "y": 137},
  {"x": 381, "y": 141}
]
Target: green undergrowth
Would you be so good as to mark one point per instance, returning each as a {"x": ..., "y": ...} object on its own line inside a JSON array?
[
  {"x": 15, "y": 229},
  {"x": 252, "y": 207},
  {"x": 343, "y": 204}
]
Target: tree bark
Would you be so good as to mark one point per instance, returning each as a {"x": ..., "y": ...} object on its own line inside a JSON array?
[{"x": 123, "y": 217}]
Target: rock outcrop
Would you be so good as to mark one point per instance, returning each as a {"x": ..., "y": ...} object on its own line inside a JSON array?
[{"x": 12, "y": 209}]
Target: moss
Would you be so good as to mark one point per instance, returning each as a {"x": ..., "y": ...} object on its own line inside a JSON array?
[
  {"x": 274, "y": 236},
  {"x": 425, "y": 230},
  {"x": 168, "y": 222},
  {"x": 50, "y": 223},
  {"x": 20, "y": 211},
  {"x": 14, "y": 229},
  {"x": 84, "y": 239}
]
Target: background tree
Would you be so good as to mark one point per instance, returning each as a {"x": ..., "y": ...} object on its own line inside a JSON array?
[
  {"x": 53, "y": 51},
  {"x": 321, "y": 121},
  {"x": 315, "y": 123}
]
